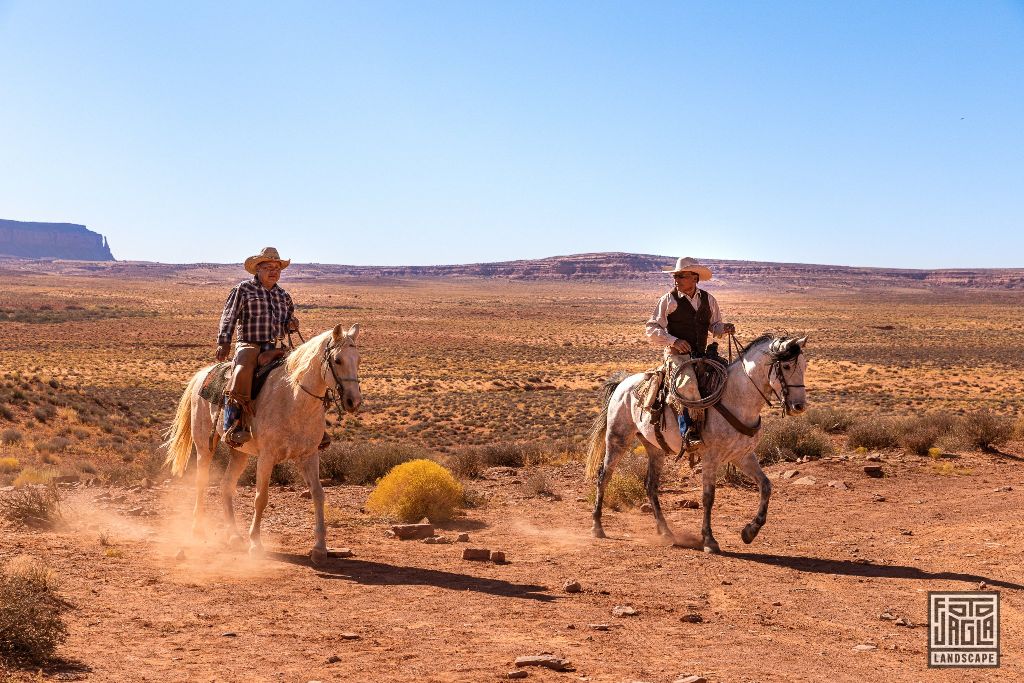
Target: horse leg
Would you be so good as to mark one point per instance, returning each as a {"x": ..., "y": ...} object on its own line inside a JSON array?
[
  {"x": 263, "y": 469},
  {"x": 615, "y": 447},
  {"x": 204, "y": 457},
  {"x": 228, "y": 487},
  {"x": 710, "y": 469},
  {"x": 655, "y": 464},
  {"x": 311, "y": 472},
  {"x": 750, "y": 467}
]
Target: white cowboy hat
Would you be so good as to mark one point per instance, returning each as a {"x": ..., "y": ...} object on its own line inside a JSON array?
[
  {"x": 268, "y": 254},
  {"x": 686, "y": 264}
]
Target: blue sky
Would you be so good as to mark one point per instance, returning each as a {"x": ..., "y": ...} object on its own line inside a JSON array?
[{"x": 854, "y": 133}]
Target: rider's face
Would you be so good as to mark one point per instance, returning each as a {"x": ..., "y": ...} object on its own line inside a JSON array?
[
  {"x": 686, "y": 282},
  {"x": 269, "y": 273}
]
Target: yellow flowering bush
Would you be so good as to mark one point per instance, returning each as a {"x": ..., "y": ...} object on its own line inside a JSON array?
[{"x": 414, "y": 490}]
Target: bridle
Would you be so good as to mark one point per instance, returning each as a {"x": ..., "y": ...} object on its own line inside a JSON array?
[
  {"x": 332, "y": 396},
  {"x": 775, "y": 367}
]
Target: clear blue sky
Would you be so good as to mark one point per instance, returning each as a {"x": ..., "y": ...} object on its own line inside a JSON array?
[{"x": 856, "y": 133}]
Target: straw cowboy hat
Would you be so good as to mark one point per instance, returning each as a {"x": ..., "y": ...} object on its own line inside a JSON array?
[
  {"x": 690, "y": 265},
  {"x": 268, "y": 254}
]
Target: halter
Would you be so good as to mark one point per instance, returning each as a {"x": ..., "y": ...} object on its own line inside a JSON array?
[{"x": 775, "y": 367}]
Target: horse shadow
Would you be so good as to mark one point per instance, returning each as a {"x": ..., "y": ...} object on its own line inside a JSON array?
[
  {"x": 817, "y": 565},
  {"x": 380, "y": 574}
]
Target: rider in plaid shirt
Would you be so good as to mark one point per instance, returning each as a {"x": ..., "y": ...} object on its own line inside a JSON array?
[{"x": 263, "y": 313}]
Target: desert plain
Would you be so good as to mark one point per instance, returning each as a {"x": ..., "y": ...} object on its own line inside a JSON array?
[{"x": 834, "y": 589}]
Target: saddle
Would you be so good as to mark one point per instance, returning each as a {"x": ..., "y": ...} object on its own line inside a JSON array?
[{"x": 216, "y": 380}]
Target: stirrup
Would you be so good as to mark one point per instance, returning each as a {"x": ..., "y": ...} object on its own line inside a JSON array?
[
  {"x": 237, "y": 436},
  {"x": 693, "y": 437}
]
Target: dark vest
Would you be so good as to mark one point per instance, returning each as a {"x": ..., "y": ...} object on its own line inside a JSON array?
[{"x": 688, "y": 324}]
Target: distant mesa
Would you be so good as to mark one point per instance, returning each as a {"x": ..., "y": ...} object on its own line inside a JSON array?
[{"x": 52, "y": 241}]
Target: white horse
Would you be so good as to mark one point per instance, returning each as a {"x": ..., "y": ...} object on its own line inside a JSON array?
[
  {"x": 288, "y": 425},
  {"x": 768, "y": 365}
]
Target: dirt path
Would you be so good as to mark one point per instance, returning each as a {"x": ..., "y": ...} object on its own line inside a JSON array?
[{"x": 790, "y": 607}]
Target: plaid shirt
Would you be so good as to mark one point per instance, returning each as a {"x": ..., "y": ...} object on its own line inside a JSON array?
[{"x": 262, "y": 314}]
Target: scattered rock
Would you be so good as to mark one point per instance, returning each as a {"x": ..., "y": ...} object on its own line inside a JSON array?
[
  {"x": 436, "y": 540},
  {"x": 599, "y": 627},
  {"x": 688, "y": 504},
  {"x": 877, "y": 498},
  {"x": 497, "y": 557},
  {"x": 307, "y": 494},
  {"x": 982, "y": 586},
  {"x": 229, "y": 634},
  {"x": 886, "y": 616},
  {"x": 572, "y": 587},
  {"x": 903, "y": 621},
  {"x": 517, "y": 674},
  {"x": 777, "y": 604},
  {"x": 789, "y": 474},
  {"x": 646, "y": 507},
  {"x": 135, "y": 512},
  {"x": 866, "y": 647},
  {"x": 874, "y": 471},
  {"x": 906, "y": 532},
  {"x": 476, "y": 554},
  {"x": 692, "y": 618},
  {"x": 624, "y": 611},
  {"x": 349, "y": 636},
  {"x": 462, "y": 538},
  {"x": 333, "y": 659},
  {"x": 408, "y": 532},
  {"x": 806, "y": 481},
  {"x": 546, "y": 661},
  {"x": 180, "y": 557},
  {"x": 340, "y": 552},
  {"x": 691, "y": 679},
  {"x": 837, "y": 484},
  {"x": 1002, "y": 489},
  {"x": 873, "y": 458}
]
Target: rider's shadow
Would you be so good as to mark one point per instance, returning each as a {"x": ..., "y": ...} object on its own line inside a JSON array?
[
  {"x": 380, "y": 574},
  {"x": 869, "y": 571}
]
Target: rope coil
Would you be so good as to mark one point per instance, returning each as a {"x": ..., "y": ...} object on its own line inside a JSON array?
[{"x": 717, "y": 375}]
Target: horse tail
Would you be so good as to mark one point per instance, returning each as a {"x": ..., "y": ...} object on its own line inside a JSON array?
[
  {"x": 599, "y": 429},
  {"x": 179, "y": 434}
]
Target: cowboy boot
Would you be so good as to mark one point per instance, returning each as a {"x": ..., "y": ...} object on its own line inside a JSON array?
[
  {"x": 693, "y": 434},
  {"x": 240, "y": 394},
  {"x": 236, "y": 433},
  {"x": 690, "y": 430}
]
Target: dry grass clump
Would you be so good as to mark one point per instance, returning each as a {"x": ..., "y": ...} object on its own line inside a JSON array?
[
  {"x": 875, "y": 432},
  {"x": 983, "y": 430},
  {"x": 414, "y": 490},
  {"x": 34, "y": 475},
  {"x": 364, "y": 463},
  {"x": 38, "y": 507},
  {"x": 538, "y": 484},
  {"x": 625, "y": 490},
  {"x": 919, "y": 435},
  {"x": 829, "y": 419},
  {"x": 792, "y": 439},
  {"x": 10, "y": 437},
  {"x": 466, "y": 463},
  {"x": 9, "y": 465},
  {"x": 31, "y": 625}
]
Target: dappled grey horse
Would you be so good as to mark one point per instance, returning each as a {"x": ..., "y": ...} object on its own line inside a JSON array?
[{"x": 767, "y": 366}]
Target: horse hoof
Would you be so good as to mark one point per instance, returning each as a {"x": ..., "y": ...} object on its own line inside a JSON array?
[
  {"x": 317, "y": 556},
  {"x": 712, "y": 548},
  {"x": 236, "y": 542},
  {"x": 598, "y": 532},
  {"x": 749, "y": 533},
  {"x": 256, "y": 552}
]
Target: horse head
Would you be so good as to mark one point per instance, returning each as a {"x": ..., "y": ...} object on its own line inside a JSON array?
[
  {"x": 341, "y": 367},
  {"x": 786, "y": 376}
]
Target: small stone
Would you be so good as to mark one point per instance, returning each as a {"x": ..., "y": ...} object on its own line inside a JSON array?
[
  {"x": 886, "y": 616},
  {"x": 806, "y": 481},
  {"x": 789, "y": 474},
  {"x": 517, "y": 674},
  {"x": 412, "y": 531},
  {"x": 646, "y": 507},
  {"x": 877, "y": 498},
  {"x": 307, "y": 494},
  {"x": 599, "y": 627},
  {"x": 180, "y": 557},
  {"x": 1002, "y": 489},
  {"x": 865, "y": 648},
  {"x": 982, "y": 586},
  {"x": 874, "y": 471},
  {"x": 340, "y": 552},
  {"x": 624, "y": 611},
  {"x": 436, "y": 540},
  {"x": 777, "y": 604},
  {"x": 135, "y": 512},
  {"x": 687, "y": 504},
  {"x": 903, "y": 621},
  {"x": 349, "y": 636},
  {"x": 546, "y": 661},
  {"x": 572, "y": 587},
  {"x": 333, "y": 659},
  {"x": 462, "y": 538},
  {"x": 906, "y": 532},
  {"x": 692, "y": 618},
  {"x": 229, "y": 634},
  {"x": 837, "y": 484},
  {"x": 476, "y": 554},
  {"x": 873, "y": 458},
  {"x": 497, "y": 557}
]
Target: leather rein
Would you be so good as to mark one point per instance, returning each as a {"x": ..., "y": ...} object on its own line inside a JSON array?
[{"x": 332, "y": 396}]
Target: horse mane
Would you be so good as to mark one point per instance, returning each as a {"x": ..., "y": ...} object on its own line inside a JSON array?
[
  {"x": 767, "y": 336},
  {"x": 304, "y": 355},
  {"x": 774, "y": 351}
]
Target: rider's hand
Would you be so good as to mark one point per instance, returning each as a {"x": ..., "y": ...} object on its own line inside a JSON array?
[
  {"x": 681, "y": 346},
  {"x": 222, "y": 352},
  {"x": 293, "y": 325},
  {"x": 729, "y": 328}
]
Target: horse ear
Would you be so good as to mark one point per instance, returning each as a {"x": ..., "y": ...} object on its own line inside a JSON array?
[
  {"x": 338, "y": 333},
  {"x": 802, "y": 341},
  {"x": 353, "y": 332}
]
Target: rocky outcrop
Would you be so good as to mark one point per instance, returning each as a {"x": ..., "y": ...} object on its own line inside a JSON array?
[{"x": 52, "y": 240}]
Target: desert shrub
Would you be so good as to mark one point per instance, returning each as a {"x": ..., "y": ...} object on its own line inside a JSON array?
[
  {"x": 466, "y": 463},
  {"x": 57, "y": 444},
  {"x": 920, "y": 434},
  {"x": 34, "y": 475},
  {"x": 874, "y": 432},
  {"x": 38, "y": 507},
  {"x": 537, "y": 484},
  {"x": 414, "y": 490},
  {"x": 364, "y": 463},
  {"x": 44, "y": 413},
  {"x": 6, "y": 413},
  {"x": 792, "y": 439},
  {"x": 10, "y": 436},
  {"x": 626, "y": 487},
  {"x": 508, "y": 454},
  {"x": 8, "y": 465},
  {"x": 829, "y": 419},
  {"x": 31, "y": 625},
  {"x": 984, "y": 430}
]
